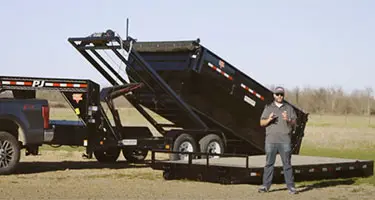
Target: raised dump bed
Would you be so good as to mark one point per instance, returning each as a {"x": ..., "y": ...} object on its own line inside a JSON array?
[{"x": 220, "y": 94}]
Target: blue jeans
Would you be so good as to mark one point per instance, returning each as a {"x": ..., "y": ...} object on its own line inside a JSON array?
[{"x": 285, "y": 153}]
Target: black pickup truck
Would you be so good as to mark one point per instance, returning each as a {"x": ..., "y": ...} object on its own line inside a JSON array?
[{"x": 23, "y": 125}]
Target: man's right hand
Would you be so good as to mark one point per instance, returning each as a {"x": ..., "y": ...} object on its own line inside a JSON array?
[
  {"x": 272, "y": 115},
  {"x": 265, "y": 122}
]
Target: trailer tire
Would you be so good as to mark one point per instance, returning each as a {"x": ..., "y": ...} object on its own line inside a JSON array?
[
  {"x": 183, "y": 143},
  {"x": 107, "y": 156},
  {"x": 211, "y": 143},
  {"x": 135, "y": 155},
  {"x": 10, "y": 151}
]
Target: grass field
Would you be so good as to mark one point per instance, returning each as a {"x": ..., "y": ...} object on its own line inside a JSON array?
[
  {"x": 325, "y": 135},
  {"x": 349, "y": 121},
  {"x": 341, "y": 136}
]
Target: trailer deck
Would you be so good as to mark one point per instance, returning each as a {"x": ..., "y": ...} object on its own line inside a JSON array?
[{"x": 249, "y": 169}]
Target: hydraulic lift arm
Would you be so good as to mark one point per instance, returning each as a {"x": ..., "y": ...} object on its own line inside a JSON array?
[{"x": 108, "y": 94}]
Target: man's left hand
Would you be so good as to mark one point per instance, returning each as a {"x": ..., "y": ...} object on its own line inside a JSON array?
[{"x": 285, "y": 116}]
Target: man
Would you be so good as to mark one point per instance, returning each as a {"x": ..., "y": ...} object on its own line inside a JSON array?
[{"x": 279, "y": 119}]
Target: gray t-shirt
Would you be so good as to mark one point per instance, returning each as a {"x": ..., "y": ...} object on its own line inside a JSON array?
[{"x": 278, "y": 130}]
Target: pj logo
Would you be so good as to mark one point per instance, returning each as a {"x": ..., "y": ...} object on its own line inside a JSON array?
[{"x": 38, "y": 83}]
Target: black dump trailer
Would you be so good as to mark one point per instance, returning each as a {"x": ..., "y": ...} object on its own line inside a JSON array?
[
  {"x": 213, "y": 109},
  {"x": 211, "y": 105}
]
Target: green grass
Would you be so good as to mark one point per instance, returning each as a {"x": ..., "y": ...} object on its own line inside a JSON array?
[
  {"x": 143, "y": 175},
  {"x": 359, "y": 154},
  {"x": 126, "y": 115},
  {"x": 62, "y": 148},
  {"x": 349, "y": 121},
  {"x": 338, "y": 198},
  {"x": 351, "y": 154}
]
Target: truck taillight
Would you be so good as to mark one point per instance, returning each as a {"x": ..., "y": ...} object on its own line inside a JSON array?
[{"x": 45, "y": 113}]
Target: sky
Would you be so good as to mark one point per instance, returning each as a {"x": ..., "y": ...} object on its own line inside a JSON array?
[{"x": 292, "y": 43}]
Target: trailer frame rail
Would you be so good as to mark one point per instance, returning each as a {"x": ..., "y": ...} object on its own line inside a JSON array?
[{"x": 212, "y": 170}]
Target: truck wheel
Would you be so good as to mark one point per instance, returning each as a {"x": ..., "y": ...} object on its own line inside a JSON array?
[
  {"x": 107, "y": 156},
  {"x": 211, "y": 143},
  {"x": 135, "y": 155},
  {"x": 9, "y": 153},
  {"x": 183, "y": 143}
]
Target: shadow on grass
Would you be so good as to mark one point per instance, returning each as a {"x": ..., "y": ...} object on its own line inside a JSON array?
[
  {"x": 39, "y": 167},
  {"x": 320, "y": 184}
]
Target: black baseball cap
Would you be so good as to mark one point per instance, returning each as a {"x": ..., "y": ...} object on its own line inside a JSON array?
[{"x": 279, "y": 90}]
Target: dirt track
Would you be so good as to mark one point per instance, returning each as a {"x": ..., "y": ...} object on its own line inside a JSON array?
[{"x": 65, "y": 175}]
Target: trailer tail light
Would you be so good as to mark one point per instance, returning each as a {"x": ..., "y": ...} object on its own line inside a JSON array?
[
  {"x": 254, "y": 174},
  {"x": 45, "y": 114}
]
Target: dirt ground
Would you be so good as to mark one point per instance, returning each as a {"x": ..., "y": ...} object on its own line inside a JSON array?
[{"x": 66, "y": 175}]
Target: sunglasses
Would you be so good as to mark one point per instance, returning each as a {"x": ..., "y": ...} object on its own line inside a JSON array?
[{"x": 279, "y": 94}]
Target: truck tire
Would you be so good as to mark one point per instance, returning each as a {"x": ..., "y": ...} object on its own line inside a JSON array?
[
  {"x": 211, "y": 143},
  {"x": 9, "y": 153},
  {"x": 183, "y": 143},
  {"x": 107, "y": 156},
  {"x": 134, "y": 155}
]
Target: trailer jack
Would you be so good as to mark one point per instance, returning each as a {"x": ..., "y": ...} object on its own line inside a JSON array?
[{"x": 86, "y": 156}]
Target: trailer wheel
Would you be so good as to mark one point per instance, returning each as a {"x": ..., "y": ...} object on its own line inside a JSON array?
[
  {"x": 9, "y": 153},
  {"x": 211, "y": 143},
  {"x": 107, "y": 156},
  {"x": 183, "y": 143},
  {"x": 135, "y": 155}
]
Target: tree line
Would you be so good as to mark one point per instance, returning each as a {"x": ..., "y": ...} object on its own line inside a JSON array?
[
  {"x": 323, "y": 100},
  {"x": 332, "y": 100}
]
